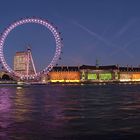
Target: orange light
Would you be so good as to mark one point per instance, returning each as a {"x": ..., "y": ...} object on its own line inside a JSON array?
[
  {"x": 136, "y": 76},
  {"x": 64, "y": 76}
]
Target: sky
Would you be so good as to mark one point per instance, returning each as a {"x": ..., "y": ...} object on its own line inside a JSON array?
[{"x": 103, "y": 30}]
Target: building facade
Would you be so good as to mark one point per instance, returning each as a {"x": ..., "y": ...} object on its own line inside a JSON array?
[
  {"x": 23, "y": 63},
  {"x": 20, "y": 62},
  {"x": 96, "y": 74},
  {"x": 62, "y": 74},
  {"x": 83, "y": 74}
]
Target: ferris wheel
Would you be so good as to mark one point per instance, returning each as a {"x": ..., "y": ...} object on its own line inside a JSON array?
[{"x": 57, "y": 38}]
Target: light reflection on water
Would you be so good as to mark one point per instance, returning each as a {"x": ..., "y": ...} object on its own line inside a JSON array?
[
  {"x": 5, "y": 111},
  {"x": 68, "y": 112}
]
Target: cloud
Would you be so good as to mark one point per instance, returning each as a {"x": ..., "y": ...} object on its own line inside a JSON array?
[
  {"x": 104, "y": 40},
  {"x": 125, "y": 28}
]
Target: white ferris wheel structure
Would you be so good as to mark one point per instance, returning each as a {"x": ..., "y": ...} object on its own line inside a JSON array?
[{"x": 58, "y": 42}]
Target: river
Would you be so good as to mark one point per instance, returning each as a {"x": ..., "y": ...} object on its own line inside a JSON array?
[{"x": 69, "y": 112}]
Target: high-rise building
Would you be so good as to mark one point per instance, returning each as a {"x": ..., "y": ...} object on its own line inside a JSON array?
[{"x": 23, "y": 63}]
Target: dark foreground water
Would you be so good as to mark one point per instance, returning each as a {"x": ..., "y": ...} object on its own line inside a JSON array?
[{"x": 69, "y": 112}]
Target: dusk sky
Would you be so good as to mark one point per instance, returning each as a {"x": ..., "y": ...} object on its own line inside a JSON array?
[{"x": 107, "y": 30}]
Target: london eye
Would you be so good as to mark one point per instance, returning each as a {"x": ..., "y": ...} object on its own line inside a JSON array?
[{"x": 56, "y": 56}]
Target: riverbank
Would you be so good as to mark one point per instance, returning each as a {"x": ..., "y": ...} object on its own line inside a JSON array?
[{"x": 11, "y": 83}]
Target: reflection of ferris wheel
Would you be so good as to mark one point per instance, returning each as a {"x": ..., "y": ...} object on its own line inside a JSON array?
[{"x": 36, "y": 21}]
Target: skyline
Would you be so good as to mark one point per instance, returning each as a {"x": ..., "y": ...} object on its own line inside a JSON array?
[{"x": 105, "y": 30}]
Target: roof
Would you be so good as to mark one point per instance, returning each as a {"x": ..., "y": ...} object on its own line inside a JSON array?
[
  {"x": 109, "y": 67},
  {"x": 66, "y": 68},
  {"x": 89, "y": 67},
  {"x": 21, "y": 53},
  {"x": 129, "y": 68}
]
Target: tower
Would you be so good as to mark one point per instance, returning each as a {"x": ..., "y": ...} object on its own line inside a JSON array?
[
  {"x": 97, "y": 63},
  {"x": 23, "y": 63}
]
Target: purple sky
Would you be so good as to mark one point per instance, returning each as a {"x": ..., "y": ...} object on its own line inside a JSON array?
[{"x": 107, "y": 30}]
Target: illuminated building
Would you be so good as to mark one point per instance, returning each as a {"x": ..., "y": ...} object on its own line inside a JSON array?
[
  {"x": 23, "y": 63},
  {"x": 129, "y": 74},
  {"x": 125, "y": 76},
  {"x": 83, "y": 74},
  {"x": 136, "y": 76},
  {"x": 64, "y": 74},
  {"x": 100, "y": 73},
  {"x": 20, "y": 62}
]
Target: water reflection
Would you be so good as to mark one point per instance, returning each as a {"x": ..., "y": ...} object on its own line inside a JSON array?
[
  {"x": 5, "y": 112},
  {"x": 54, "y": 109},
  {"x": 39, "y": 111},
  {"x": 22, "y": 104},
  {"x": 4, "y": 100},
  {"x": 51, "y": 112}
]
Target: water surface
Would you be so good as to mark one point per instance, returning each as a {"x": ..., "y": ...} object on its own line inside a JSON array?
[{"x": 73, "y": 112}]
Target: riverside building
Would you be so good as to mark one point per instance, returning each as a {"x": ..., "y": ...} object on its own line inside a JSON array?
[
  {"x": 23, "y": 63},
  {"x": 64, "y": 74},
  {"x": 92, "y": 74}
]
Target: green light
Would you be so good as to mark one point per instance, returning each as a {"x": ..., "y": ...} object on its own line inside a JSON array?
[
  {"x": 92, "y": 76},
  {"x": 105, "y": 76}
]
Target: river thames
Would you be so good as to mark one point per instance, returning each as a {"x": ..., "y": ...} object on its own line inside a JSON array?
[{"x": 69, "y": 112}]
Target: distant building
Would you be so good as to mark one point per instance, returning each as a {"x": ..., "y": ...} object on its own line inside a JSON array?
[
  {"x": 63, "y": 74},
  {"x": 20, "y": 62},
  {"x": 100, "y": 73},
  {"x": 5, "y": 76},
  {"x": 129, "y": 74},
  {"x": 23, "y": 63}
]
